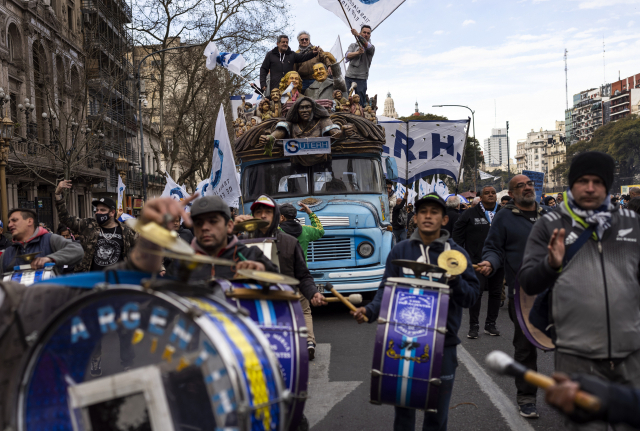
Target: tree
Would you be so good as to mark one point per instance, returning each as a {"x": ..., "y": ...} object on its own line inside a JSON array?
[
  {"x": 179, "y": 84},
  {"x": 427, "y": 117}
]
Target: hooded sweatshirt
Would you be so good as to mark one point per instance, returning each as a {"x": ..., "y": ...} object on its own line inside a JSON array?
[
  {"x": 465, "y": 288},
  {"x": 62, "y": 251},
  {"x": 305, "y": 234}
]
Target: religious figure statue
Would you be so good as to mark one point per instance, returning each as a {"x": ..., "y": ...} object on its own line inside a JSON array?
[
  {"x": 340, "y": 103},
  {"x": 293, "y": 94},
  {"x": 264, "y": 110},
  {"x": 356, "y": 109},
  {"x": 276, "y": 103},
  {"x": 305, "y": 119},
  {"x": 254, "y": 122},
  {"x": 370, "y": 115},
  {"x": 323, "y": 86}
]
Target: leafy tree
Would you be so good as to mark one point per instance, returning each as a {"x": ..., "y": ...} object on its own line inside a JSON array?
[{"x": 427, "y": 117}]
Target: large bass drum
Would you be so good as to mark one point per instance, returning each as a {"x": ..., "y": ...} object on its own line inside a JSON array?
[
  {"x": 523, "y": 305},
  {"x": 167, "y": 362},
  {"x": 283, "y": 324}
]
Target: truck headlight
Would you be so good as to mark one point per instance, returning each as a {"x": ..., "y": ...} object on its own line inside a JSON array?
[{"x": 365, "y": 249}]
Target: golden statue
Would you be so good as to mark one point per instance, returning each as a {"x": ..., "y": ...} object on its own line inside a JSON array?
[
  {"x": 276, "y": 103},
  {"x": 264, "y": 110},
  {"x": 323, "y": 86},
  {"x": 340, "y": 103},
  {"x": 291, "y": 78}
]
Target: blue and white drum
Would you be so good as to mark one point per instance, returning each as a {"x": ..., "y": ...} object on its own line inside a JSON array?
[
  {"x": 166, "y": 362},
  {"x": 23, "y": 274},
  {"x": 407, "y": 358}
]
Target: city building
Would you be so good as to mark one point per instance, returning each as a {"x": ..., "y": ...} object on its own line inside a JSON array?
[
  {"x": 542, "y": 151},
  {"x": 495, "y": 148},
  {"x": 520, "y": 155},
  {"x": 591, "y": 110},
  {"x": 389, "y": 107},
  {"x": 625, "y": 97},
  {"x": 417, "y": 112}
]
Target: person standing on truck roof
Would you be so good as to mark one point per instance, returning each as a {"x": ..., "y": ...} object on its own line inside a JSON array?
[
  {"x": 280, "y": 60},
  {"x": 292, "y": 260},
  {"x": 359, "y": 56}
]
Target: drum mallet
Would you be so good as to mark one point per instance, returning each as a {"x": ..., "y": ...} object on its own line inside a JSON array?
[
  {"x": 355, "y": 299},
  {"x": 344, "y": 300},
  {"x": 502, "y": 363}
]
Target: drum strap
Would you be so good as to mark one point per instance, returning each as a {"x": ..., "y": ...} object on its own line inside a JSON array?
[{"x": 577, "y": 245}]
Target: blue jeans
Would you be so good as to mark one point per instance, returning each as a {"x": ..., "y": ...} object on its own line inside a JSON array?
[
  {"x": 361, "y": 90},
  {"x": 400, "y": 234},
  {"x": 306, "y": 83},
  {"x": 405, "y": 419}
]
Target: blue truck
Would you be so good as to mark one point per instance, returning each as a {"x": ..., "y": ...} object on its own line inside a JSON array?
[{"x": 348, "y": 194}]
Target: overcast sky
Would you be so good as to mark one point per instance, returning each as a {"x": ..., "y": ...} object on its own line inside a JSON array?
[{"x": 475, "y": 52}]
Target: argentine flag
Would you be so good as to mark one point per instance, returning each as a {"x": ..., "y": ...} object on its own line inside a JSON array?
[{"x": 233, "y": 62}]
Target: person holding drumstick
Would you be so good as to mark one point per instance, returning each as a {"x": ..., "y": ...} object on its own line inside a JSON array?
[{"x": 425, "y": 245}]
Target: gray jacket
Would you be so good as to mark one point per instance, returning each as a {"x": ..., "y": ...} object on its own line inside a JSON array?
[
  {"x": 596, "y": 297},
  {"x": 359, "y": 66}
]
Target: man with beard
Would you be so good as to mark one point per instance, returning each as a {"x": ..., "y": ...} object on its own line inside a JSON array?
[
  {"x": 504, "y": 248},
  {"x": 586, "y": 253},
  {"x": 306, "y": 69},
  {"x": 305, "y": 119},
  {"x": 291, "y": 257},
  {"x": 105, "y": 240}
]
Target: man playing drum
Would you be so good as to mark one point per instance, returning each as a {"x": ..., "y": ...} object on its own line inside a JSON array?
[{"x": 425, "y": 245}]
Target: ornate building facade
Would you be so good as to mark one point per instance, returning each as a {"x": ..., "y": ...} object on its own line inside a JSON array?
[{"x": 389, "y": 108}]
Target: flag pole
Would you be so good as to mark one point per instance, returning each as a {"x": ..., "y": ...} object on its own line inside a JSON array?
[
  {"x": 463, "y": 150},
  {"x": 406, "y": 180},
  {"x": 347, "y": 17}
]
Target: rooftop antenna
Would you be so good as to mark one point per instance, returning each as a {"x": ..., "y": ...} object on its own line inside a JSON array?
[{"x": 566, "y": 78}]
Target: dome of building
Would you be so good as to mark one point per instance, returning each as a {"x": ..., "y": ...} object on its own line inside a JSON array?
[{"x": 389, "y": 108}]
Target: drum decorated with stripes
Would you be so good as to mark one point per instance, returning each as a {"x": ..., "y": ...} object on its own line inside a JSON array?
[
  {"x": 409, "y": 345},
  {"x": 164, "y": 362},
  {"x": 282, "y": 322},
  {"x": 30, "y": 276}
]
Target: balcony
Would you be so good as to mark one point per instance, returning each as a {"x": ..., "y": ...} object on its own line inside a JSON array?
[{"x": 108, "y": 8}]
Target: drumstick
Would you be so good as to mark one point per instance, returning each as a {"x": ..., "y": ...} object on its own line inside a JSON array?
[
  {"x": 502, "y": 363},
  {"x": 344, "y": 301},
  {"x": 355, "y": 299}
]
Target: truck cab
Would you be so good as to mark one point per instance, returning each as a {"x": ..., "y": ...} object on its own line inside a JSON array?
[{"x": 348, "y": 195}]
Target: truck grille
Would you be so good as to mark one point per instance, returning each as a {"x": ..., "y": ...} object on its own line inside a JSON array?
[
  {"x": 330, "y": 248},
  {"x": 329, "y": 221}
]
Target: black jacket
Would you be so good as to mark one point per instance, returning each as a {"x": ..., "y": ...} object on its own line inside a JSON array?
[
  {"x": 471, "y": 230},
  {"x": 279, "y": 64},
  {"x": 453, "y": 218},
  {"x": 185, "y": 234},
  {"x": 4, "y": 242},
  {"x": 395, "y": 219}
]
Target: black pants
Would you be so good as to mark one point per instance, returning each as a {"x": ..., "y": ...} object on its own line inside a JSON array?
[
  {"x": 494, "y": 285},
  {"x": 527, "y": 355}
]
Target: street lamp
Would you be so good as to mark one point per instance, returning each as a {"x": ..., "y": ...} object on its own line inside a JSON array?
[
  {"x": 122, "y": 165},
  {"x": 6, "y": 130},
  {"x": 475, "y": 161}
]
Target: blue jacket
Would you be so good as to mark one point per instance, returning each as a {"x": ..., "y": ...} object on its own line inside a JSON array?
[
  {"x": 507, "y": 238},
  {"x": 465, "y": 288}
]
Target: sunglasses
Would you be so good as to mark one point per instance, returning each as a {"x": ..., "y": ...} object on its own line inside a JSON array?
[{"x": 304, "y": 39}]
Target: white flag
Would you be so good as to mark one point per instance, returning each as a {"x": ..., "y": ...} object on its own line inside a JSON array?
[
  {"x": 441, "y": 189},
  {"x": 400, "y": 191},
  {"x": 223, "y": 180},
  {"x": 176, "y": 192},
  {"x": 360, "y": 12},
  {"x": 233, "y": 62},
  {"x": 411, "y": 199},
  {"x": 485, "y": 176},
  {"x": 424, "y": 188},
  {"x": 121, "y": 189},
  {"x": 338, "y": 53}
]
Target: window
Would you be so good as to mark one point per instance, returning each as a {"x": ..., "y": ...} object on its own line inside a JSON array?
[
  {"x": 10, "y": 46},
  {"x": 70, "y": 17}
]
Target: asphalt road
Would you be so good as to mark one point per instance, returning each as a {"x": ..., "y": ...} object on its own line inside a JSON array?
[{"x": 340, "y": 381}]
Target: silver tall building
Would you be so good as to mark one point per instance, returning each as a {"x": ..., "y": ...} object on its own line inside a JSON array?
[{"x": 495, "y": 148}]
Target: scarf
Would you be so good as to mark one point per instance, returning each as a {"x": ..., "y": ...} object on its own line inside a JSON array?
[
  {"x": 488, "y": 214},
  {"x": 600, "y": 216}
]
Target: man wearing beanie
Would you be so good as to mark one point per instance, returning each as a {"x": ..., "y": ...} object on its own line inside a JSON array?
[{"x": 586, "y": 253}]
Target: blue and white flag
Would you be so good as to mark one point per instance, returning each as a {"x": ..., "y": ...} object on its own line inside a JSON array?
[
  {"x": 223, "y": 180},
  {"x": 174, "y": 191},
  {"x": 121, "y": 189},
  {"x": 400, "y": 191},
  {"x": 411, "y": 198},
  {"x": 233, "y": 62},
  {"x": 424, "y": 188},
  {"x": 440, "y": 188},
  {"x": 370, "y": 12}
]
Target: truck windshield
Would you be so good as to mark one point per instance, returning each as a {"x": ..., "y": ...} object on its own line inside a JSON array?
[{"x": 338, "y": 176}]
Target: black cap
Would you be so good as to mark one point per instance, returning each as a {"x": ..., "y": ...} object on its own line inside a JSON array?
[
  {"x": 430, "y": 198},
  {"x": 288, "y": 211},
  {"x": 105, "y": 201},
  {"x": 592, "y": 163},
  {"x": 209, "y": 204}
]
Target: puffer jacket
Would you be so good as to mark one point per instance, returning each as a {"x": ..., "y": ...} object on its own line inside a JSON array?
[
  {"x": 89, "y": 231},
  {"x": 596, "y": 297}
]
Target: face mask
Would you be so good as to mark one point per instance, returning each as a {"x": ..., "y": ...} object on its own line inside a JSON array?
[{"x": 102, "y": 218}]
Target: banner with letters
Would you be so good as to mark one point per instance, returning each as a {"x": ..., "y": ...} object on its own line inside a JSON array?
[
  {"x": 306, "y": 146},
  {"x": 538, "y": 179},
  {"x": 432, "y": 147},
  {"x": 360, "y": 12}
]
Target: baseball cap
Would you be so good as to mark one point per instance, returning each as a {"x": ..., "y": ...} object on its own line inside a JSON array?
[
  {"x": 263, "y": 200},
  {"x": 430, "y": 198},
  {"x": 105, "y": 201},
  {"x": 209, "y": 204}
]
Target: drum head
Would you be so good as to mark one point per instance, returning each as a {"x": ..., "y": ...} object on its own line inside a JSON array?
[
  {"x": 523, "y": 305},
  {"x": 126, "y": 350}
]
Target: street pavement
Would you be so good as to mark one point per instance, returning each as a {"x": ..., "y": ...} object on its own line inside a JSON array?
[{"x": 340, "y": 381}]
